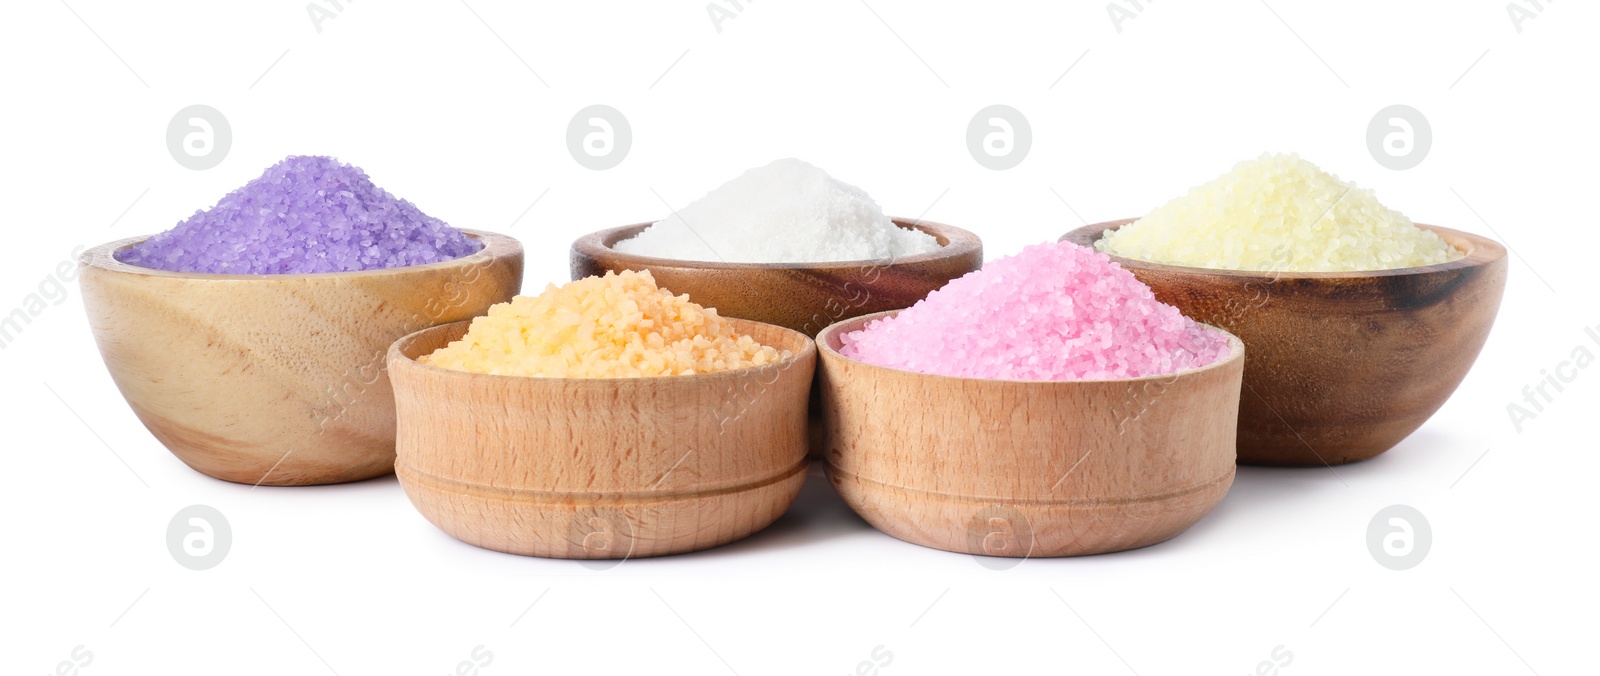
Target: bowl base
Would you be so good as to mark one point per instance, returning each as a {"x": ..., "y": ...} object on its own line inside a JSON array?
[
  {"x": 316, "y": 460},
  {"x": 1026, "y": 529},
  {"x": 1266, "y": 440},
  {"x": 1297, "y": 454},
  {"x": 597, "y": 526},
  {"x": 266, "y": 475}
]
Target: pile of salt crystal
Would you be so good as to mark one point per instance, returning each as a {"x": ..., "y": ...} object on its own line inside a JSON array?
[
  {"x": 785, "y": 212},
  {"x": 1053, "y": 312},
  {"x": 1278, "y": 213},
  {"x": 616, "y": 326},
  {"x": 302, "y": 215}
]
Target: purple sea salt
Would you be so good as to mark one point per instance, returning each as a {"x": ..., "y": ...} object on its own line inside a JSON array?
[{"x": 304, "y": 214}]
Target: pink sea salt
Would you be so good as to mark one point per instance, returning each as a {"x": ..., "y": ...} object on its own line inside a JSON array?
[{"x": 1053, "y": 312}]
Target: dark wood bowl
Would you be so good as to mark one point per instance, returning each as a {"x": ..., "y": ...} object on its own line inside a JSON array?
[
  {"x": 805, "y": 297},
  {"x": 1341, "y": 365}
]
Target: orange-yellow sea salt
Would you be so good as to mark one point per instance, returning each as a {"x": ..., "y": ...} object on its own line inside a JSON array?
[{"x": 616, "y": 326}]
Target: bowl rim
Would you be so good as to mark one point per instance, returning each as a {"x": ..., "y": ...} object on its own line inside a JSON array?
[
  {"x": 496, "y": 246},
  {"x": 1235, "y": 354},
  {"x": 1482, "y": 251},
  {"x": 959, "y": 242},
  {"x": 394, "y": 355}
]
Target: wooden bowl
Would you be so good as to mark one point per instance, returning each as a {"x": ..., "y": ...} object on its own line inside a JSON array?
[
  {"x": 1027, "y": 468},
  {"x": 277, "y": 379},
  {"x": 806, "y": 297},
  {"x": 602, "y": 468},
  {"x": 1343, "y": 365}
]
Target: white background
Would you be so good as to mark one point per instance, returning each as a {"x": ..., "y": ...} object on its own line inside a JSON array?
[{"x": 463, "y": 110}]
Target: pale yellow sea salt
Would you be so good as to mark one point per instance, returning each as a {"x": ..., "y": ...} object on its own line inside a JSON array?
[
  {"x": 616, "y": 326},
  {"x": 1279, "y": 213}
]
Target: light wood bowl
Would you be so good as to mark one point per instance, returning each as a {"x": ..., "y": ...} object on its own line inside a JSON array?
[
  {"x": 1343, "y": 365},
  {"x": 1027, "y": 468},
  {"x": 602, "y": 468},
  {"x": 277, "y": 380},
  {"x": 806, "y": 297}
]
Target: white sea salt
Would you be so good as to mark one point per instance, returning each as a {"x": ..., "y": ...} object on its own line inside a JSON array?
[{"x": 785, "y": 212}]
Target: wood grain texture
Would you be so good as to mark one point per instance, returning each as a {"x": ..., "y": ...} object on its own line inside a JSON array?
[
  {"x": 805, "y": 297},
  {"x": 277, "y": 379},
  {"x": 602, "y": 468},
  {"x": 1027, "y": 468},
  {"x": 1343, "y": 365}
]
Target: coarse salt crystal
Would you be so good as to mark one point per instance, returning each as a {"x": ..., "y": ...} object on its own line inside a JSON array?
[
  {"x": 1052, "y": 312},
  {"x": 299, "y": 217},
  {"x": 1278, "y": 213},
  {"x": 616, "y": 326},
  {"x": 785, "y": 212}
]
